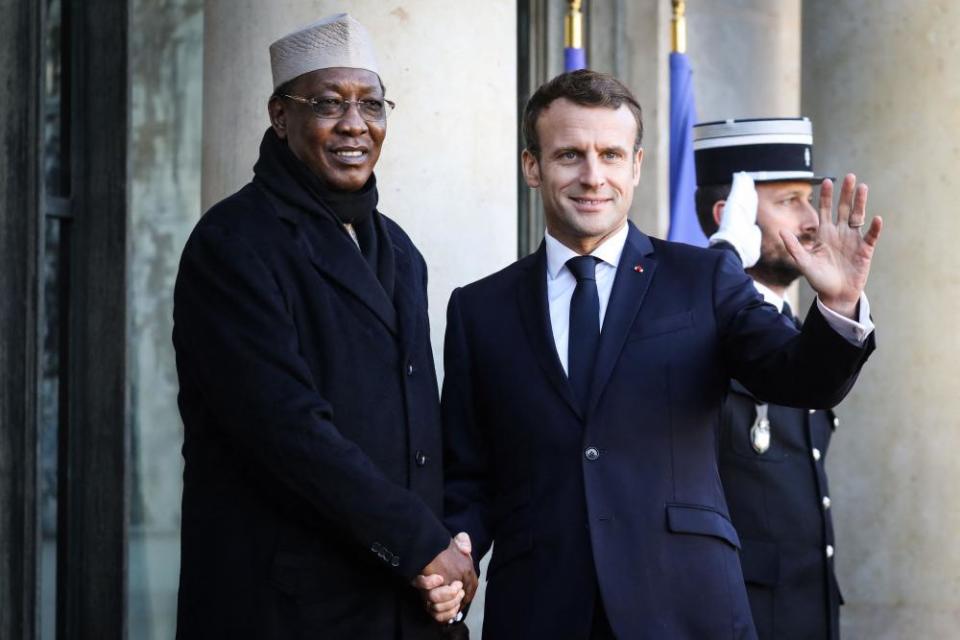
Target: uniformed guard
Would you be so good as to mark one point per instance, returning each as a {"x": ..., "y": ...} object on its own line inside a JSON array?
[{"x": 772, "y": 457}]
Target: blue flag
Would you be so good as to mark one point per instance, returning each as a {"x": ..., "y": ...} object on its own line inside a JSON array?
[
  {"x": 684, "y": 226},
  {"x": 574, "y": 58}
]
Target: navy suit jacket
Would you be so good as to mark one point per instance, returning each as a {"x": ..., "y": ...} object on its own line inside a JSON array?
[
  {"x": 312, "y": 483},
  {"x": 644, "y": 523}
]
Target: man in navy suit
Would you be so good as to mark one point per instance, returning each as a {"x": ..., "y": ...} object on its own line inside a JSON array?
[
  {"x": 584, "y": 382},
  {"x": 772, "y": 456}
]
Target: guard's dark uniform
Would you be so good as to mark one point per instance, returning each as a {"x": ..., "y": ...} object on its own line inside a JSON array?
[{"x": 780, "y": 506}]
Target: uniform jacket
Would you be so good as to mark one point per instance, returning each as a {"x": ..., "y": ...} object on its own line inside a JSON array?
[
  {"x": 621, "y": 499},
  {"x": 312, "y": 483},
  {"x": 780, "y": 506}
]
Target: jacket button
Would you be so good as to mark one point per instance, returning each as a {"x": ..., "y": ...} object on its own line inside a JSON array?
[
  {"x": 812, "y": 411},
  {"x": 829, "y": 550},
  {"x": 826, "y": 502},
  {"x": 410, "y": 369},
  {"x": 421, "y": 459},
  {"x": 816, "y": 453},
  {"x": 836, "y": 422},
  {"x": 591, "y": 453}
]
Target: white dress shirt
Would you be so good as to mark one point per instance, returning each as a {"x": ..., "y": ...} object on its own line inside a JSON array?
[
  {"x": 853, "y": 331},
  {"x": 561, "y": 283}
]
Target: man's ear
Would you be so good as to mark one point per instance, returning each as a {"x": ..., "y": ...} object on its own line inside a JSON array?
[
  {"x": 637, "y": 163},
  {"x": 718, "y": 210},
  {"x": 531, "y": 168},
  {"x": 277, "y": 109}
]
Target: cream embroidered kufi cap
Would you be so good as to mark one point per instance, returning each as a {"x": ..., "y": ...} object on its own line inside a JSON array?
[{"x": 334, "y": 41}]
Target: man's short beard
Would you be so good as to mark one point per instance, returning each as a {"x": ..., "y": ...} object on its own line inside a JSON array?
[{"x": 777, "y": 271}]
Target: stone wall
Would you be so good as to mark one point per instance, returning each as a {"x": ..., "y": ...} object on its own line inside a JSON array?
[{"x": 880, "y": 80}]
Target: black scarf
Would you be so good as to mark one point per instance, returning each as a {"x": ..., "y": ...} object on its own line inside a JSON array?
[{"x": 291, "y": 180}]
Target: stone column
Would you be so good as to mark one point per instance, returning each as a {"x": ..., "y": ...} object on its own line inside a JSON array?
[
  {"x": 745, "y": 56},
  {"x": 880, "y": 82},
  {"x": 448, "y": 169}
]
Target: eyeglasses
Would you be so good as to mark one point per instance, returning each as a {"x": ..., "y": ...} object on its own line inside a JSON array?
[{"x": 370, "y": 109}]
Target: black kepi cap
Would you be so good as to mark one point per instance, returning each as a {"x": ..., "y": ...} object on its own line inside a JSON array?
[{"x": 769, "y": 149}]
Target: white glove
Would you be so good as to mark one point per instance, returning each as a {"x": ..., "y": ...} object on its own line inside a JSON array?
[{"x": 738, "y": 220}]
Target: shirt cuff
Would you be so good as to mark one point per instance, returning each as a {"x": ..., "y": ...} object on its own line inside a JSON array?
[{"x": 855, "y": 332}]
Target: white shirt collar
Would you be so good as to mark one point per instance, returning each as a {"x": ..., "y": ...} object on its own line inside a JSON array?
[
  {"x": 608, "y": 251},
  {"x": 769, "y": 296}
]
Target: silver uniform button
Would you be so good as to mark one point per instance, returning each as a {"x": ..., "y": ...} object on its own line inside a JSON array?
[
  {"x": 829, "y": 550},
  {"x": 816, "y": 453},
  {"x": 760, "y": 433},
  {"x": 836, "y": 422},
  {"x": 812, "y": 411},
  {"x": 826, "y": 502},
  {"x": 591, "y": 453}
]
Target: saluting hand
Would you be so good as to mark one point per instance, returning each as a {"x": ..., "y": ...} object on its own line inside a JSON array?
[{"x": 838, "y": 263}]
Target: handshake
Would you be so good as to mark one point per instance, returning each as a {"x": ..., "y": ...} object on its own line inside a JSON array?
[{"x": 449, "y": 581}]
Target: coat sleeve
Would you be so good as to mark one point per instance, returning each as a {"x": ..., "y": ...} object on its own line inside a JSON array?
[
  {"x": 235, "y": 335},
  {"x": 465, "y": 450},
  {"x": 813, "y": 368}
]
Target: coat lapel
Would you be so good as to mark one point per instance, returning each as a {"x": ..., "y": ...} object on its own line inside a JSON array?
[
  {"x": 634, "y": 275},
  {"x": 333, "y": 253},
  {"x": 535, "y": 315},
  {"x": 406, "y": 304}
]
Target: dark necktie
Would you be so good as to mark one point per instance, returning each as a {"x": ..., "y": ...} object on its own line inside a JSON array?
[
  {"x": 788, "y": 314},
  {"x": 584, "y": 326}
]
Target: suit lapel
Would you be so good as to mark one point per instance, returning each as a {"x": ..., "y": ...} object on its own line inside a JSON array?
[
  {"x": 634, "y": 275},
  {"x": 333, "y": 253},
  {"x": 535, "y": 315}
]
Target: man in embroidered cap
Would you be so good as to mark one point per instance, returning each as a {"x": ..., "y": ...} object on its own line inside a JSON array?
[
  {"x": 312, "y": 484},
  {"x": 772, "y": 456}
]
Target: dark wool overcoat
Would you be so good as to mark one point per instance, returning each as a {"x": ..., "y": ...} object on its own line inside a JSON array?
[{"x": 312, "y": 486}]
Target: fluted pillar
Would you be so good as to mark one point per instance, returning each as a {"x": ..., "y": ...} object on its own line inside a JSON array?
[
  {"x": 880, "y": 80},
  {"x": 745, "y": 56}
]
